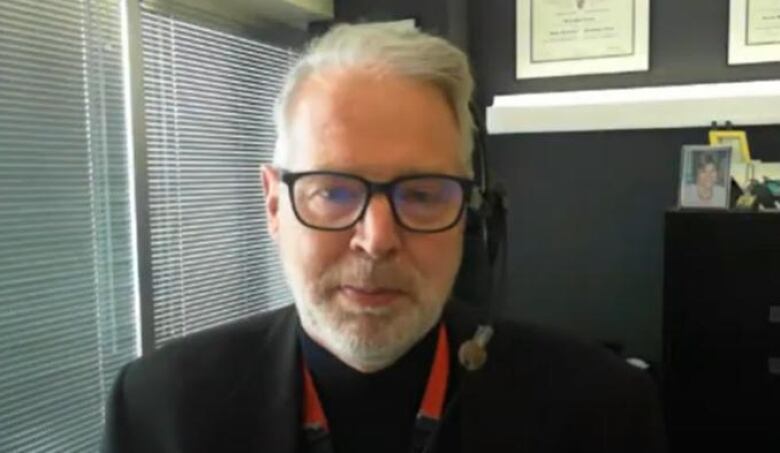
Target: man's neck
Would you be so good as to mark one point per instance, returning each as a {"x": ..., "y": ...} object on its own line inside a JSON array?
[
  {"x": 311, "y": 344},
  {"x": 364, "y": 409}
]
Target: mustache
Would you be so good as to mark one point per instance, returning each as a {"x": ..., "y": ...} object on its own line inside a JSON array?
[{"x": 370, "y": 274}]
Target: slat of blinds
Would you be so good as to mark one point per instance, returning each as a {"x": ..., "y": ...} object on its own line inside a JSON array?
[
  {"x": 207, "y": 113},
  {"x": 198, "y": 60},
  {"x": 224, "y": 43},
  {"x": 210, "y": 227},
  {"x": 209, "y": 222},
  {"x": 235, "y": 148},
  {"x": 14, "y": 273},
  {"x": 23, "y": 310},
  {"x": 45, "y": 341},
  {"x": 220, "y": 171},
  {"x": 66, "y": 280},
  {"x": 209, "y": 239},
  {"x": 168, "y": 304},
  {"x": 46, "y": 335},
  {"x": 223, "y": 286},
  {"x": 209, "y": 73},
  {"x": 34, "y": 243},
  {"x": 28, "y": 22},
  {"x": 33, "y": 220},
  {"x": 64, "y": 156},
  {"x": 168, "y": 275},
  {"x": 196, "y": 273},
  {"x": 162, "y": 77},
  {"x": 232, "y": 309},
  {"x": 20, "y": 75},
  {"x": 209, "y": 99},
  {"x": 160, "y": 26},
  {"x": 232, "y": 302},
  {"x": 47, "y": 294},
  {"x": 215, "y": 122},
  {"x": 202, "y": 107},
  {"x": 37, "y": 217},
  {"x": 35, "y": 59},
  {"x": 51, "y": 9},
  {"x": 220, "y": 254},
  {"x": 14, "y": 44},
  {"x": 170, "y": 280}
]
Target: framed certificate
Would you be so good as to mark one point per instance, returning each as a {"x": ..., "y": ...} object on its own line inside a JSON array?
[
  {"x": 754, "y": 31},
  {"x": 572, "y": 37}
]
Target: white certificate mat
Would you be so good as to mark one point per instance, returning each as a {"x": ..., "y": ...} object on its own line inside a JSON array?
[
  {"x": 754, "y": 31},
  {"x": 572, "y": 37}
]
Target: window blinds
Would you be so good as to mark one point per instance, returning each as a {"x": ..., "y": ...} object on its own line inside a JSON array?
[
  {"x": 208, "y": 102},
  {"x": 67, "y": 318}
]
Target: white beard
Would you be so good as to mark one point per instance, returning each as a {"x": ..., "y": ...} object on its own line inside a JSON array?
[{"x": 367, "y": 339}]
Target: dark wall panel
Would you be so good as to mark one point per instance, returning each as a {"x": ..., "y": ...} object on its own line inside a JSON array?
[
  {"x": 586, "y": 227},
  {"x": 587, "y": 208}
]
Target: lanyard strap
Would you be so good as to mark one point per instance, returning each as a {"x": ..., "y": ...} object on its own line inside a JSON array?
[{"x": 315, "y": 424}]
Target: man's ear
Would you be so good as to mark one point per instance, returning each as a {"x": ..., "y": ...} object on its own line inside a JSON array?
[{"x": 270, "y": 178}]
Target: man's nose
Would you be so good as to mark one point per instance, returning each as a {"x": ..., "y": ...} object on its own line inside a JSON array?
[{"x": 377, "y": 233}]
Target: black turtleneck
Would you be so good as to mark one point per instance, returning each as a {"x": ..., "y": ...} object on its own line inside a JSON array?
[{"x": 370, "y": 412}]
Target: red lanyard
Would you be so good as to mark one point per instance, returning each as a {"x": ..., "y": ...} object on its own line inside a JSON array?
[{"x": 315, "y": 424}]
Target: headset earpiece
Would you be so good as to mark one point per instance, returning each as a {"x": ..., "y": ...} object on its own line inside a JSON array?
[{"x": 485, "y": 221}]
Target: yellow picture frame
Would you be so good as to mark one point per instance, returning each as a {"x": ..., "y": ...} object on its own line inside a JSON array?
[{"x": 736, "y": 139}]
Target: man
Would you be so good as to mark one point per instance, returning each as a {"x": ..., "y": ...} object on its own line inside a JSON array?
[{"x": 366, "y": 202}]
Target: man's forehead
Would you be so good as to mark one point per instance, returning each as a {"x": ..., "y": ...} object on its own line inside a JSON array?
[{"x": 338, "y": 84}]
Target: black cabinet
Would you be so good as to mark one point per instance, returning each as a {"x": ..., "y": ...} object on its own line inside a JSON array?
[{"x": 721, "y": 371}]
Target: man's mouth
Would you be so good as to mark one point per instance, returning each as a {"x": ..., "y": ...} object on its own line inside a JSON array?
[{"x": 371, "y": 296}]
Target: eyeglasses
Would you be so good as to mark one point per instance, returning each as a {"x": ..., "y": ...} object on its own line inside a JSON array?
[{"x": 333, "y": 201}]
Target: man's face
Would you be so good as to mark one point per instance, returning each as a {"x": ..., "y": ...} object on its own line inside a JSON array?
[
  {"x": 370, "y": 292},
  {"x": 707, "y": 176}
]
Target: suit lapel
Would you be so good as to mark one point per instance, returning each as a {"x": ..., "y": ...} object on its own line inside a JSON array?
[
  {"x": 476, "y": 414},
  {"x": 479, "y": 398},
  {"x": 278, "y": 381}
]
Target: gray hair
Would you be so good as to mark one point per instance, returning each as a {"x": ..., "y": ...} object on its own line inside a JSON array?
[{"x": 406, "y": 51}]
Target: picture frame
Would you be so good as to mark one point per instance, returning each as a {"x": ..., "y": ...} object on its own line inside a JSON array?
[
  {"x": 754, "y": 31},
  {"x": 734, "y": 138},
  {"x": 705, "y": 177},
  {"x": 575, "y": 37}
]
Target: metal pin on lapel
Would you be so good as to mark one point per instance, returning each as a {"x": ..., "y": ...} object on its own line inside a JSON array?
[{"x": 473, "y": 353}]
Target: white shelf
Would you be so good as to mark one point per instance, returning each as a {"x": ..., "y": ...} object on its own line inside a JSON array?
[{"x": 742, "y": 103}]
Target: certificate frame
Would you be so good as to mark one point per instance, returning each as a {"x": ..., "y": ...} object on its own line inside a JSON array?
[
  {"x": 741, "y": 50},
  {"x": 637, "y": 60}
]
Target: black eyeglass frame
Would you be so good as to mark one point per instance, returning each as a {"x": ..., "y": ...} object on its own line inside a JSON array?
[{"x": 373, "y": 187}]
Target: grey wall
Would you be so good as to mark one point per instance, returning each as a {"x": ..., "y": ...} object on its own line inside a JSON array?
[{"x": 586, "y": 209}]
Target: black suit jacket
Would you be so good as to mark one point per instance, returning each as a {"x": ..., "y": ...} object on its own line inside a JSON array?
[{"x": 236, "y": 388}]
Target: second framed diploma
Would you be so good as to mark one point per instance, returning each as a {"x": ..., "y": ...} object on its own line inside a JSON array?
[
  {"x": 572, "y": 37},
  {"x": 754, "y": 31}
]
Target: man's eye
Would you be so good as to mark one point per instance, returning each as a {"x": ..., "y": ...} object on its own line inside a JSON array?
[
  {"x": 335, "y": 194},
  {"x": 418, "y": 196}
]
